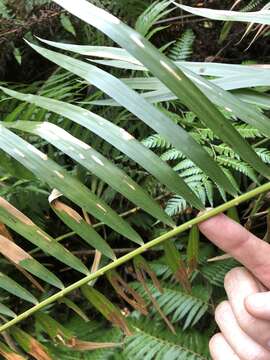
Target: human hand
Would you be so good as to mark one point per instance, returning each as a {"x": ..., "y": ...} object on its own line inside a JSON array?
[{"x": 244, "y": 320}]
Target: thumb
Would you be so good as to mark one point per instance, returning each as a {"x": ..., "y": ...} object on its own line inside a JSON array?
[{"x": 258, "y": 305}]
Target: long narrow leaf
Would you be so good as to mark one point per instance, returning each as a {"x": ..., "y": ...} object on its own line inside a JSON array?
[
  {"x": 75, "y": 222},
  {"x": 215, "y": 93},
  {"x": 4, "y": 310},
  {"x": 96, "y": 163},
  {"x": 169, "y": 74},
  {"x": 126, "y": 60},
  {"x": 19, "y": 257},
  {"x": 58, "y": 178},
  {"x": 14, "y": 288},
  {"x": 119, "y": 138},
  {"x": 26, "y": 228},
  {"x": 258, "y": 17},
  {"x": 143, "y": 110}
]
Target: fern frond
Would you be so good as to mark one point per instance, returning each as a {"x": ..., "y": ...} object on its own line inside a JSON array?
[
  {"x": 156, "y": 141},
  {"x": 225, "y": 150},
  {"x": 204, "y": 134},
  {"x": 184, "y": 165},
  {"x": 209, "y": 190},
  {"x": 177, "y": 304},
  {"x": 190, "y": 172},
  {"x": 172, "y": 154},
  {"x": 264, "y": 154},
  {"x": 253, "y": 4},
  {"x": 182, "y": 48},
  {"x": 248, "y": 131},
  {"x": 156, "y": 343},
  {"x": 238, "y": 166},
  {"x": 216, "y": 271},
  {"x": 176, "y": 205}
]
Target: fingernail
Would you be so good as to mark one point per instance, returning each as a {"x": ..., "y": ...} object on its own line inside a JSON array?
[{"x": 258, "y": 301}]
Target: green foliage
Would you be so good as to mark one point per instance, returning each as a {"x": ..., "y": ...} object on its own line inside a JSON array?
[
  {"x": 179, "y": 306},
  {"x": 182, "y": 48},
  {"x": 223, "y": 154},
  {"x": 4, "y": 11},
  {"x": 150, "y": 16},
  {"x": 216, "y": 271},
  {"x": 154, "y": 343},
  {"x": 50, "y": 141}
]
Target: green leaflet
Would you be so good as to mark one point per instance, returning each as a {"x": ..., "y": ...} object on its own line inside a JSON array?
[
  {"x": 20, "y": 257},
  {"x": 37, "y": 269},
  {"x": 8, "y": 353},
  {"x": 57, "y": 177},
  {"x": 193, "y": 248},
  {"x": 258, "y": 17},
  {"x": 95, "y": 163},
  {"x": 52, "y": 327},
  {"x": 14, "y": 288},
  {"x": 17, "y": 221},
  {"x": 4, "y": 310},
  {"x": 119, "y": 138},
  {"x": 215, "y": 93},
  {"x": 14, "y": 168},
  {"x": 30, "y": 345},
  {"x": 75, "y": 222},
  {"x": 105, "y": 307},
  {"x": 143, "y": 110},
  {"x": 126, "y": 60},
  {"x": 74, "y": 307},
  {"x": 254, "y": 97}
]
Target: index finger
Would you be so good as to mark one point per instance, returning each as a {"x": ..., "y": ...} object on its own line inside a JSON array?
[{"x": 245, "y": 247}]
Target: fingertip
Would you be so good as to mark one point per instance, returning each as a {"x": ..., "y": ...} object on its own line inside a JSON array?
[
  {"x": 212, "y": 224},
  {"x": 258, "y": 305}
]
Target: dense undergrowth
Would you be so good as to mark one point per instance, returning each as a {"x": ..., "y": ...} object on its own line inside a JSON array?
[{"x": 159, "y": 304}]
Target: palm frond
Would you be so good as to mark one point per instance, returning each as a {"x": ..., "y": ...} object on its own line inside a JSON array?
[{"x": 193, "y": 180}]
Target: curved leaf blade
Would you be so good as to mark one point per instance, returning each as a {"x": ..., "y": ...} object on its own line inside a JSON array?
[
  {"x": 143, "y": 110},
  {"x": 258, "y": 17},
  {"x": 121, "y": 58},
  {"x": 58, "y": 178},
  {"x": 118, "y": 138},
  {"x": 169, "y": 74},
  {"x": 21, "y": 224},
  {"x": 14, "y": 288},
  {"x": 4, "y": 310},
  {"x": 75, "y": 222},
  {"x": 19, "y": 257},
  {"x": 214, "y": 90},
  {"x": 96, "y": 163}
]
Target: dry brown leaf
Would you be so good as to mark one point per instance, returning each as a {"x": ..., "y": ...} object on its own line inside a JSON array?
[
  {"x": 77, "y": 344},
  {"x": 12, "y": 251},
  {"x": 15, "y": 212},
  {"x": 37, "y": 351}
]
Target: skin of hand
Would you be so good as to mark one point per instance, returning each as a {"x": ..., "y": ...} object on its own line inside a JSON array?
[{"x": 244, "y": 319}]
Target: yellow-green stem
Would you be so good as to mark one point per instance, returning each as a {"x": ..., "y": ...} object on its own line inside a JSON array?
[{"x": 220, "y": 209}]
